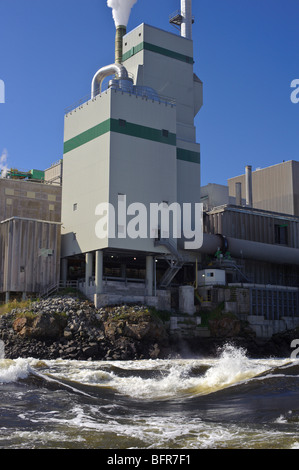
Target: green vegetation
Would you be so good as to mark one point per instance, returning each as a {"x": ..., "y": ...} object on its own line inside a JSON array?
[
  {"x": 163, "y": 315},
  {"x": 8, "y": 307},
  {"x": 72, "y": 292},
  {"x": 215, "y": 314}
]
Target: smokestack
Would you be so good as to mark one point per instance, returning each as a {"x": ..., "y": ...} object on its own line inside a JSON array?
[
  {"x": 121, "y": 30},
  {"x": 238, "y": 194},
  {"x": 248, "y": 183},
  {"x": 186, "y": 12},
  {"x": 121, "y": 10}
]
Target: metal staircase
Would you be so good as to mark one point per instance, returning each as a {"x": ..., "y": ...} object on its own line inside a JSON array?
[{"x": 175, "y": 261}]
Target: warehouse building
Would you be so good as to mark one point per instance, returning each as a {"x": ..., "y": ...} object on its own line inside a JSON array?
[{"x": 30, "y": 227}]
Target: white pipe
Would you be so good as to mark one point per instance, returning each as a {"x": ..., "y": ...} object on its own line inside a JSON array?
[
  {"x": 248, "y": 183},
  {"x": 186, "y": 12},
  {"x": 104, "y": 72}
]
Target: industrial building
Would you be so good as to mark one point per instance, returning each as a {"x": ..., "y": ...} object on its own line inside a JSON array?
[
  {"x": 274, "y": 188},
  {"x": 30, "y": 227},
  {"x": 129, "y": 141},
  {"x": 132, "y": 144}
]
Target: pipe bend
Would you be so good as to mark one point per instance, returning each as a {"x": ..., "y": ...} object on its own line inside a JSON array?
[{"x": 104, "y": 72}]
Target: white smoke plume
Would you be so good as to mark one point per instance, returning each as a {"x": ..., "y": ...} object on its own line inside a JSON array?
[
  {"x": 3, "y": 164},
  {"x": 121, "y": 10}
]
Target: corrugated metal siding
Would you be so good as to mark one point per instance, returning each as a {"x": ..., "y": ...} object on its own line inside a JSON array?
[
  {"x": 26, "y": 265},
  {"x": 247, "y": 224},
  {"x": 254, "y": 225}
]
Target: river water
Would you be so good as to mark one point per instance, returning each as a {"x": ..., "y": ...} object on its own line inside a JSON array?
[{"x": 230, "y": 402}]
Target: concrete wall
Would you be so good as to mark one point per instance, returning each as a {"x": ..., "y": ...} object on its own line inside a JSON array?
[
  {"x": 53, "y": 174},
  {"x": 85, "y": 176},
  {"x": 164, "y": 61},
  {"x": 20, "y": 198},
  {"x": 267, "y": 328},
  {"x": 134, "y": 160},
  {"x": 213, "y": 195}
]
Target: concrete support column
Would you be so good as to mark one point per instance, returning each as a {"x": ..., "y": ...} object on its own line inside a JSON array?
[
  {"x": 149, "y": 275},
  {"x": 64, "y": 269},
  {"x": 99, "y": 272},
  {"x": 123, "y": 268},
  {"x": 186, "y": 299},
  {"x": 88, "y": 270},
  {"x": 7, "y": 296}
]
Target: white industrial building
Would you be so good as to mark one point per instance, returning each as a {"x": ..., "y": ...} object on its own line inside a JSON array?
[{"x": 135, "y": 141}]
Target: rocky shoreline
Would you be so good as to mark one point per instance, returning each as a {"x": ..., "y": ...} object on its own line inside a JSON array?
[{"x": 69, "y": 328}]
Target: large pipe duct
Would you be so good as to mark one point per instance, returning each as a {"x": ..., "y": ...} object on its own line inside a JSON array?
[
  {"x": 120, "y": 32},
  {"x": 245, "y": 249},
  {"x": 186, "y": 12},
  {"x": 96, "y": 84}
]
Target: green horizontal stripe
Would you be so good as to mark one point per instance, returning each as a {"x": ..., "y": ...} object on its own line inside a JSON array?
[
  {"x": 87, "y": 136},
  {"x": 113, "y": 125},
  {"x": 143, "y": 132},
  {"x": 188, "y": 156},
  {"x": 159, "y": 50}
]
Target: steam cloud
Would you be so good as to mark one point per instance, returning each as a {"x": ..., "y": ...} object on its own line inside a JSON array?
[
  {"x": 121, "y": 10},
  {"x": 3, "y": 164}
]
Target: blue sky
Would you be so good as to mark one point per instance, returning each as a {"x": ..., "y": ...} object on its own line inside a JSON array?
[{"x": 246, "y": 53}]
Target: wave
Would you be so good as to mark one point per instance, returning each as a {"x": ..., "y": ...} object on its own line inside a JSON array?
[
  {"x": 149, "y": 379},
  {"x": 13, "y": 370}
]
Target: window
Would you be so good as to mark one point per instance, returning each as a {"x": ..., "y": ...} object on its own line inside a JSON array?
[
  {"x": 281, "y": 234},
  {"x": 165, "y": 133},
  {"x": 75, "y": 206},
  {"x": 122, "y": 122}
]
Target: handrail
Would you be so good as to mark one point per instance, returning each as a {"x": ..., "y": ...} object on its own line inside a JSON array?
[{"x": 135, "y": 91}]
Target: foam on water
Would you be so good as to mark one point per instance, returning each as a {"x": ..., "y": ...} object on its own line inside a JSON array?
[
  {"x": 230, "y": 368},
  {"x": 129, "y": 416},
  {"x": 168, "y": 378},
  {"x": 11, "y": 371}
]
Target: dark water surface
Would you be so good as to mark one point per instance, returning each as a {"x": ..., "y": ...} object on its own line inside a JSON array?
[{"x": 230, "y": 402}]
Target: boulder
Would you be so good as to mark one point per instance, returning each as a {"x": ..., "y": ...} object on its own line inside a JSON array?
[{"x": 41, "y": 326}]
